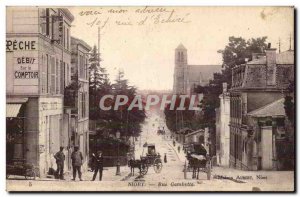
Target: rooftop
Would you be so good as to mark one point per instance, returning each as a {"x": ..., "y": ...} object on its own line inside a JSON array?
[{"x": 273, "y": 109}]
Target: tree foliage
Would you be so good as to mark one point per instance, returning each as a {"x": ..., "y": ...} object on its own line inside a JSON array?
[{"x": 237, "y": 51}]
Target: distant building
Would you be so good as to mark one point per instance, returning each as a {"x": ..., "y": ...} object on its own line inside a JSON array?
[
  {"x": 38, "y": 59},
  {"x": 187, "y": 77},
  {"x": 195, "y": 137},
  {"x": 257, "y": 118}
]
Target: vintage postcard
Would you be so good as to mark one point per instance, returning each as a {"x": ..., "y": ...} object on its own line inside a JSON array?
[{"x": 159, "y": 99}]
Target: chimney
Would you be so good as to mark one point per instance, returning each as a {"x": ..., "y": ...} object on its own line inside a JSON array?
[{"x": 271, "y": 65}]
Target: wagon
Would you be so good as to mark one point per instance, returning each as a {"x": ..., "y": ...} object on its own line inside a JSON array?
[
  {"x": 198, "y": 161},
  {"x": 152, "y": 158}
]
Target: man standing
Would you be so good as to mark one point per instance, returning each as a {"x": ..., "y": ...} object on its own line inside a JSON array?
[
  {"x": 76, "y": 162},
  {"x": 60, "y": 159},
  {"x": 98, "y": 165}
]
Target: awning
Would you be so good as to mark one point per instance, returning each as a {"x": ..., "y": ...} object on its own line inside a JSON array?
[{"x": 12, "y": 110}]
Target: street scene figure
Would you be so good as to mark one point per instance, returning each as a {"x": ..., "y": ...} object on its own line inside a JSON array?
[
  {"x": 76, "y": 163},
  {"x": 60, "y": 159},
  {"x": 97, "y": 162}
]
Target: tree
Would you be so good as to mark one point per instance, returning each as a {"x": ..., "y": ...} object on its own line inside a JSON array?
[
  {"x": 98, "y": 81},
  {"x": 289, "y": 103},
  {"x": 178, "y": 119},
  {"x": 237, "y": 51},
  {"x": 128, "y": 121}
]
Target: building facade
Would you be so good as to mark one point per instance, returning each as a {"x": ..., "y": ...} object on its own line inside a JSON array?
[
  {"x": 255, "y": 86},
  {"x": 224, "y": 129},
  {"x": 38, "y": 59},
  {"x": 187, "y": 77},
  {"x": 80, "y": 111}
]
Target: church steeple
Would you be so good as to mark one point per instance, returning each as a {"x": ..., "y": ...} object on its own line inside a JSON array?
[
  {"x": 180, "y": 70},
  {"x": 181, "y": 55}
]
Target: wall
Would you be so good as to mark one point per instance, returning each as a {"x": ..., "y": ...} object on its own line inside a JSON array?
[
  {"x": 224, "y": 129},
  {"x": 51, "y": 132}
]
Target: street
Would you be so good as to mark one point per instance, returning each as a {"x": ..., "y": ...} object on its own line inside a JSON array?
[{"x": 171, "y": 177}]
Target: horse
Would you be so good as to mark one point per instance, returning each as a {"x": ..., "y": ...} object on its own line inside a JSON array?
[
  {"x": 135, "y": 164},
  {"x": 196, "y": 164}
]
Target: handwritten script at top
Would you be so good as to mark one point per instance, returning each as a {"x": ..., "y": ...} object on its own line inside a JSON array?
[{"x": 101, "y": 17}]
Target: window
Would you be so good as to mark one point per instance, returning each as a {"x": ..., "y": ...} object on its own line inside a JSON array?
[
  {"x": 64, "y": 37},
  {"x": 57, "y": 77},
  {"x": 43, "y": 22},
  {"x": 62, "y": 75},
  {"x": 53, "y": 76},
  {"x": 86, "y": 69},
  {"x": 83, "y": 104},
  {"x": 80, "y": 105},
  {"x": 68, "y": 39},
  {"x": 43, "y": 77},
  {"x": 47, "y": 22},
  {"x": 48, "y": 73},
  {"x": 68, "y": 74},
  {"x": 81, "y": 66}
]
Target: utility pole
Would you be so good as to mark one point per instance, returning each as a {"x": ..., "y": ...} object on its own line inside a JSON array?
[
  {"x": 279, "y": 43},
  {"x": 99, "y": 35}
]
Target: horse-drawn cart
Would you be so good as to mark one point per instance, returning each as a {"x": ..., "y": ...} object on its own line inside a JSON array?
[
  {"x": 198, "y": 161},
  {"x": 151, "y": 159}
]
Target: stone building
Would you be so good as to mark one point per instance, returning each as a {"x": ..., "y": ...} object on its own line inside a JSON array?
[
  {"x": 80, "y": 111},
  {"x": 38, "y": 59},
  {"x": 187, "y": 77},
  {"x": 257, "y": 118}
]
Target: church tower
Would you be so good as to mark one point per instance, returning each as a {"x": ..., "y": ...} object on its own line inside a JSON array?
[{"x": 180, "y": 71}]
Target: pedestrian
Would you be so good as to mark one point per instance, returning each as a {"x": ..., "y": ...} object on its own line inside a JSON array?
[
  {"x": 60, "y": 159},
  {"x": 165, "y": 158},
  {"x": 76, "y": 162},
  {"x": 178, "y": 149},
  {"x": 98, "y": 165},
  {"x": 174, "y": 143}
]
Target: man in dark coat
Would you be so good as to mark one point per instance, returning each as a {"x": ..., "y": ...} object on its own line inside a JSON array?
[
  {"x": 77, "y": 159},
  {"x": 98, "y": 165},
  {"x": 60, "y": 159}
]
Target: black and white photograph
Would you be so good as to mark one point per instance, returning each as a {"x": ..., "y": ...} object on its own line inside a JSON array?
[{"x": 150, "y": 98}]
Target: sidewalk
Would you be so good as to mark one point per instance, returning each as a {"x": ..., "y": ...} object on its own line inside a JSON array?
[
  {"x": 109, "y": 174},
  {"x": 181, "y": 154}
]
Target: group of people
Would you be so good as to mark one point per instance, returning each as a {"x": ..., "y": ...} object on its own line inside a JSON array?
[{"x": 77, "y": 161}]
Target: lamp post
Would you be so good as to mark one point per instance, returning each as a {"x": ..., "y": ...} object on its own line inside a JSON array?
[{"x": 118, "y": 172}]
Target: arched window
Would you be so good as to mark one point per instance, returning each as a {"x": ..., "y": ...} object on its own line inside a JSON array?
[{"x": 179, "y": 56}]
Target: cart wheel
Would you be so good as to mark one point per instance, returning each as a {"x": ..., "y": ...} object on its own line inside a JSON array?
[
  {"x": 157, "y": 165},
  {"x": 30, "y": 174},
  {"x": 144, "y": 169},
  {"x": 208, "y": 171}
]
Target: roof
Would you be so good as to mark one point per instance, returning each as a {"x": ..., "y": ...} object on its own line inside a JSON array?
[
  {"x": 202, "y": 73},
  {"x": 185, "y": 131},
  {"x": 273, "y": 109},
  {"x": 286, "y": 57},
  {"x": 195, "y": 132},
  {"x": 81, "y": 42},
  {"x": 67, "y": 14},
  {"x": 180, "y": 46}
]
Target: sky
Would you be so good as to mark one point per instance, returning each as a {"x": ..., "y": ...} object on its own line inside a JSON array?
[{"x": 141, "y": 40}]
